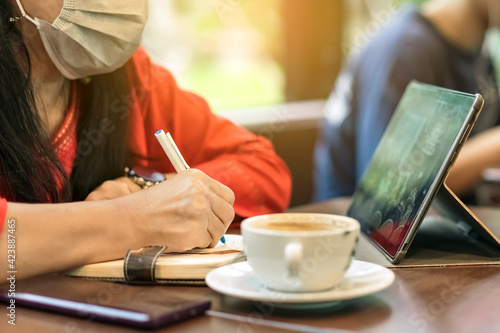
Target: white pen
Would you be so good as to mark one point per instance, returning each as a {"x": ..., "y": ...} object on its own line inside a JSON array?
[
  {"x": 174, "y": 155},
  {"x": 170, "y": 148}
]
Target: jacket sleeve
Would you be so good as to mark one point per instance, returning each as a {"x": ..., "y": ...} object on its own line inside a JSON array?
[
  {"x": 3, "y": 212},
  {"x": 226, "y": 152}
]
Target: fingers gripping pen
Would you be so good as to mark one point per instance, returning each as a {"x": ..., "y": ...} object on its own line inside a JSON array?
[{"x": 174, "y": 155}]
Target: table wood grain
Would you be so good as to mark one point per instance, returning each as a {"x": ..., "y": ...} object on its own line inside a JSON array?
[{"x": 451, "y": 299}]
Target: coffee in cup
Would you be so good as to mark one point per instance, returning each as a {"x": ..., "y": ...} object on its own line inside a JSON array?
[
  {"x": 300, "y": 252},
  {"x": 293, "y": 226}
]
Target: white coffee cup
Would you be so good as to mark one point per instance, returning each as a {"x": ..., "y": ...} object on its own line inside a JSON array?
[{"x": 300, "y": 252}]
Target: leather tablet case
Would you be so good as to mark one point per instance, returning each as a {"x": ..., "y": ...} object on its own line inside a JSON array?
[{"x": 440, "y": 241}]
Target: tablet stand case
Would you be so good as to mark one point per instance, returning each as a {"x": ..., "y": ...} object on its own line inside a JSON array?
[{"x": 439, "y": 241}]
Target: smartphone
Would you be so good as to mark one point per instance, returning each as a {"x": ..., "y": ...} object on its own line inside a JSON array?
[{"x": 146, "y": 307}]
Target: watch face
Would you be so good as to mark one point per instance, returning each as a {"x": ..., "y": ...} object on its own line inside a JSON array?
[{"x": 148, "y": 174}]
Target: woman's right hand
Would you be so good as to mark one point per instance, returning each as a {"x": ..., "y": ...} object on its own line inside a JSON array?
[{"x": 187, "y": 211}]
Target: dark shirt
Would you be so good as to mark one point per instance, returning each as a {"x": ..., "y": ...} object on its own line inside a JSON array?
[{"x": 369, "y": 88}]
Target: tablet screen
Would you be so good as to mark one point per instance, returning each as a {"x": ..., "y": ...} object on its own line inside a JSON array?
[{"x": 409, "y": 163}]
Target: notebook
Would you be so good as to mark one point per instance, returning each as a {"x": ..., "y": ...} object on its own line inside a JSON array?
[
  {"x": 188, "y": 267},
  {"x": 405, "y": 177}
]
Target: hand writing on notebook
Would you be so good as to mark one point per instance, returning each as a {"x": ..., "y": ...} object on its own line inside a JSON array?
[{"x": 199, "y": 211}]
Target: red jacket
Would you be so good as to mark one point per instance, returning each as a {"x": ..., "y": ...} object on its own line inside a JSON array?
[{"x": 226, "y": 152}]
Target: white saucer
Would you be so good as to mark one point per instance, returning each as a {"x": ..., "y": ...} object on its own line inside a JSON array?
[{"x": 239, "y": 280}]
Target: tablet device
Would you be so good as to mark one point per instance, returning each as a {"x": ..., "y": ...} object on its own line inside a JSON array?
[{"x": 410, "y": 164}]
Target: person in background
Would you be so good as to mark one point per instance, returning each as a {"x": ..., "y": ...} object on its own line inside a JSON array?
[
  {"x": 439, "y": 44},
  {"x": 79, "y": 102}
]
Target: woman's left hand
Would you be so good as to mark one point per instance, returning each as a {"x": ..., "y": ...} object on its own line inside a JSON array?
[{"x": 112, "y": 189}]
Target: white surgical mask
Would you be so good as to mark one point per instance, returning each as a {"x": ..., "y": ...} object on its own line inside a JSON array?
[{"x": 91, "y": 37}]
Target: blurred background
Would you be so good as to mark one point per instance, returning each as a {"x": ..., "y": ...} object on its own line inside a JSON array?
[
  {"x": 248, "y": 57},
  {"x": 247, "y": 53}
]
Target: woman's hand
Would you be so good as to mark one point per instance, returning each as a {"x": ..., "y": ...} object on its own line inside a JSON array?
[
  {"x": 112, "y": 189},
  {"x": 480, "y": 152},
  {"x": 187, "y": 211}
]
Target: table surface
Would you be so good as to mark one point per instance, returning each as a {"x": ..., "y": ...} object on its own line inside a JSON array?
[{"x": 438, "y": 299}]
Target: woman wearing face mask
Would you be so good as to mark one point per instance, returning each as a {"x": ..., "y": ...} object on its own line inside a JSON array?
[{"x": 78, "y": 104}]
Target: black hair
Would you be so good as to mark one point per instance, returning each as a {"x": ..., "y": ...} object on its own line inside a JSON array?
[{"x": 29, "y": 168}]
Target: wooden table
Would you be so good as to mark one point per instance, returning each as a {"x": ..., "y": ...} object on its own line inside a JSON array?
[{"x": 451, "y": 299}]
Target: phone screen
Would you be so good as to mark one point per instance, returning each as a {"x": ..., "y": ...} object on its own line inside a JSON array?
[{"x": 91, "y": 300}]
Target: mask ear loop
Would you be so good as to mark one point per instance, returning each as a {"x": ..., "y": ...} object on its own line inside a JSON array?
[{"x": 23, "y": 14}]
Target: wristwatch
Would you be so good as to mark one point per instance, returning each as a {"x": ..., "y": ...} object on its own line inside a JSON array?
[{"x": 144, "y": 176}]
